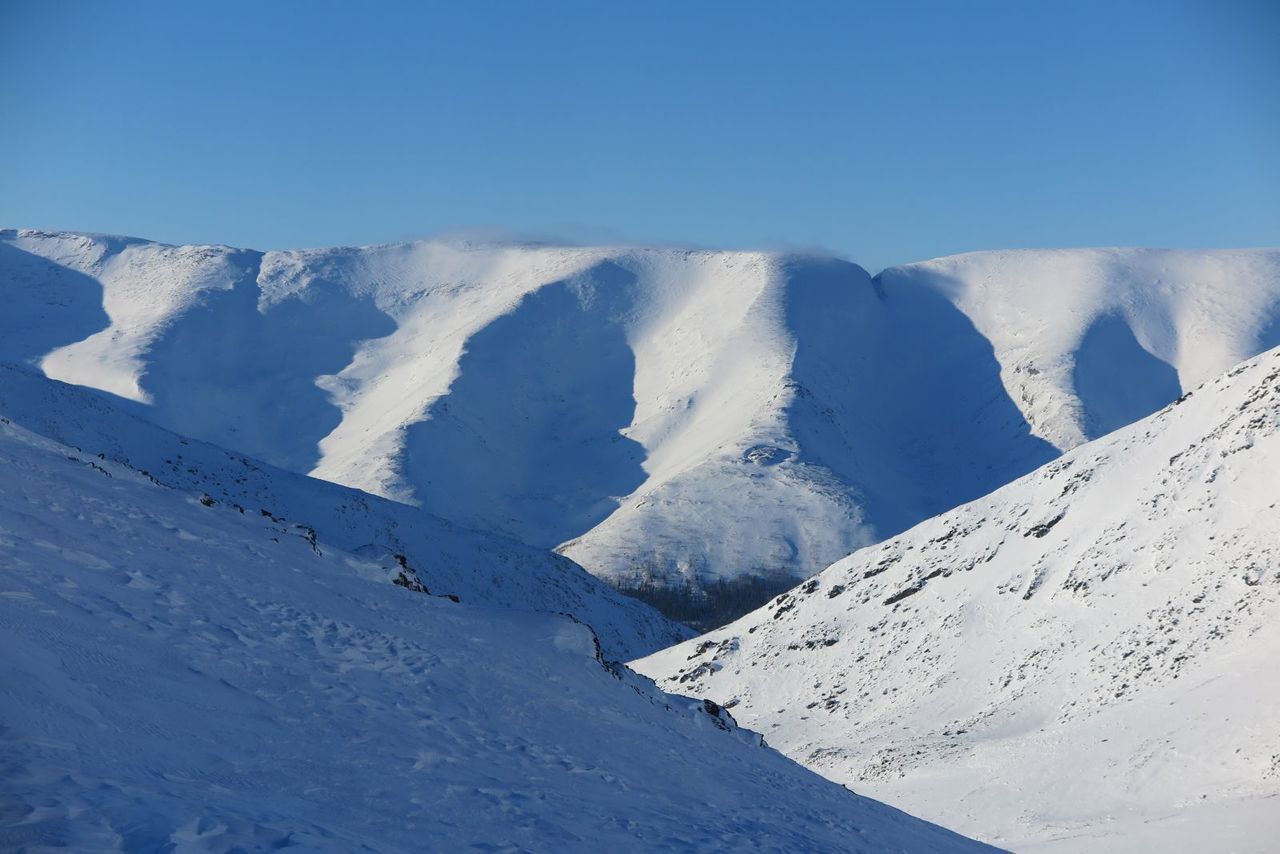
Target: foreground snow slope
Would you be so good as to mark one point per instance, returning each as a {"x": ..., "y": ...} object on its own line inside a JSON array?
[
  {"x": 449, "y": 560},
  {"x": 653, "y": 413},
  {"x": 1083, "y": 660},
  {"x": 184, "y": 677}
]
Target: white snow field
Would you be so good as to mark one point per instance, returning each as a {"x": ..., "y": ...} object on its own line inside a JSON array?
[
  {"x": 1084, "y": 660},
  {"x": 179, "y": 676},
  {"x": 685, "y": 416}
]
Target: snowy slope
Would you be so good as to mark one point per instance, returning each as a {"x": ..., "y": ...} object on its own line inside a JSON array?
[
  {"x": 652, "y": 413},
  {"x": 1089, "y": 340},
  {"x": 1083, "y": 660},
  {"x": 477, "y": 567},
  {"x": 182, "y": 677}
]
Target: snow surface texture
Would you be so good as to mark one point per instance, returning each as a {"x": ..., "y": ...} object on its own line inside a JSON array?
[
  {"x": 687, "y": 416},
  {"x": 448, "y": 560},
  {"x": 180, "y": 676},
  {"x": 1084, "y": 660}
]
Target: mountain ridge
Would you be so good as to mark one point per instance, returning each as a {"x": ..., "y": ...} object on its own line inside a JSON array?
[{"x": 743, "y": 416}]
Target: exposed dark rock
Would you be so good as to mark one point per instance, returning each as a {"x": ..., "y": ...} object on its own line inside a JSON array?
[{"x": 1044, "y": 527}]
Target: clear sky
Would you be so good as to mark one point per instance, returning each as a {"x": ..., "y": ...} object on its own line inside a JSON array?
[{"x": 887, "y": 132}]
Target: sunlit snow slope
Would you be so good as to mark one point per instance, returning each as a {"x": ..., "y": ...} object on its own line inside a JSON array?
[
  {"x": 182, "y": 676},
  {"x": 1084, "y": 660},
  {"x": 681, "y": 415}
]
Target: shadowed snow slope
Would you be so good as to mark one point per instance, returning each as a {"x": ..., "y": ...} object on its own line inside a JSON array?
[
  {"x": 182, "y": 676},
  {"x": 1083, "y": 660},
  {"x": 477, "y": 567},
  {"x": 652, "y": 413}
]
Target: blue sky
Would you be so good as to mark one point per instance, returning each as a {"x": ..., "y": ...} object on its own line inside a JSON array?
[{"x": 887, "y": 132}]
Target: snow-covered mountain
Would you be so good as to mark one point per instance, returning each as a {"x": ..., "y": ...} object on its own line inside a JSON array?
[
  {"x": 677, "y": 416},
  {"x": 412, "y": 546},
  {"x": 1089, "y": 340},
  {"x": 178, "y": 675},
  {"x": 1083, "y": 660}
]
